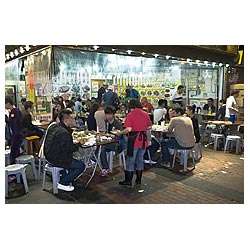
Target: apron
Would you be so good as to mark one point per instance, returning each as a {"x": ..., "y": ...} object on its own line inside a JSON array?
[{"x": 142, "y": 136}]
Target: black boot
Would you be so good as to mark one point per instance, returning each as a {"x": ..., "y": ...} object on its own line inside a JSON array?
[
  {"x": 138, "y": 177},
  {"x": 128, "y": 179}
]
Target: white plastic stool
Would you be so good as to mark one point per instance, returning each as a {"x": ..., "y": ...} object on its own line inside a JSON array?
[
  {"x": 122, "y": 159},
  {"x": 16, "y": 169},
  {"x": 231, "y": 139},
  {"x": 7, "y": 157},
  {"x": 215, "y": 138},
  {"x": 197, "y": 148},
  {"x": 26, "y": 159},
  {"x": 55, "y": 171},
  {"x": 184, "y": 157}
]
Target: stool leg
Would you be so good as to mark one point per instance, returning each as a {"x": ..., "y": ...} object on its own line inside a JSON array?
[
  {"x": 6, "y": 184},
  {"x": 225, "y": 148},
  {"x": 237, "y": 146},
  {"x": 39, "y": 168},
  {"x": 34, "y": 168},
  {"x": 175, "y": 151},
  {"x": 25, "y": 181},
  {"x": 54, "y": 180},
  {"x": 215, "y": 143},
  {"x": 185, "y": 158},
  {"x": 111, "y": 156},
  {"x": 149, "y": 157},
  {"x": 18, "y": 179},
  {"x": 44, "y": 176}
]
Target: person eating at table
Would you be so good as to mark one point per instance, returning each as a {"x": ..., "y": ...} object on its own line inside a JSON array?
[
  {"x": 112, "y": 125},
  {"x": 136, "y": 124},
  {"x": 182, "y": 128},
  {"x": 59, "y": 148}
]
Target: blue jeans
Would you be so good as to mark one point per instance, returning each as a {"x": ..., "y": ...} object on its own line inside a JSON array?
[
  {"x": 74, "y": 171},
  {"x": 137, "y": 158},
  {"x": 103, "y": 155},
  {"x": 170, "y": 143}
]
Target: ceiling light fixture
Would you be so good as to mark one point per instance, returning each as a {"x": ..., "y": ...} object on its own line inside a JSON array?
[
  {"x": 7, "y": 56},
  {"x": 167, "y": 57},
  {"x": 227, "y": 65},
  {"x": 220, "y": 64},
  {"x": 113, "y": 49},
  {"x": 129, "y": 51},
  {"x": 12, "y": 54},
  {"x": 197, "y": 61},
  {"x": 21, "y": 50},
  {"x": 156, "y": 55},
  {"x": 95, "y": 47},
  {"x": 143, "y": 53},
  {"x": 27, "y": 47},
  {"x": 188, "y": 60}
]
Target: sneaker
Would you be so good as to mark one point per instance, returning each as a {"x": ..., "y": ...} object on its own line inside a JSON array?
[
  {"x": 104, "y": 172},
  {"x": 165, "y": 164},
  {"x": 68, "y": 188},
  {"x": 149, "y": 162}
]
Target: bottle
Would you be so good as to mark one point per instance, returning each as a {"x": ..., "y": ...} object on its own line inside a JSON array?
[
  {"x": 98, "y": 138},
  {"x": 209, "y": 111},
  {"x": 85, "y": 129}
]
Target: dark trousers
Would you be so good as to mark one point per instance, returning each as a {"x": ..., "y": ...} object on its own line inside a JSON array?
[
  {"x": 69, "y": 175},
  {"x": 152, "y": 149},
  {"x": 16, "y": 142}
]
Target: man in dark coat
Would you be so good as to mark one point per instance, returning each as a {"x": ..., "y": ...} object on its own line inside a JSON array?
[{"x": 59, "y": 148}]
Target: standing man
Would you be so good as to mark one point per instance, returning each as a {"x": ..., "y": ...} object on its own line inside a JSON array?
[
  {"x": 136, "y": 124},
  {"x": 231, "y": 105},
  {"x": 133, "y": 92},
  {"x": 110, "y": 98},
  {"x": 15, "y": 122},
  {"x": 59, "y": 148},
  {"x": 101, "y": 91},
  {"x": 176, "y": 97},
  {"x": 184, "y": 138}
]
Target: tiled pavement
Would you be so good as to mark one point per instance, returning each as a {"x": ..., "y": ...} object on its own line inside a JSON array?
[{"x": 218, "y": 178}]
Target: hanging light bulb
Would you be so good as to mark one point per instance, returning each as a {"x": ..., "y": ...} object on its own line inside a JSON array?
[
  {"x": 227, "y": 65},
  {"x": 27, "y": 47},
  {"x": 188, "y": 60},
  {"x": 16, "y": 52},
  {"x": 113, "y": 49},
  {"x": 7, "y": 56},
  {"x": 167, "y": 57},
  {"x": 143, "y": 53},
  {"x": 156, "y": 55},
  {"x": 220, "y": 64},
  {"x": 21, "y": 50},
  {"x": 95, "y": 47},
  {"x": 12, "y": 54},
  {"x": 129, "y": 51},
  {"x": 206, "y": 62},
  {"x": 197, "y": 61},
  {"x": 213, "y": 64}
]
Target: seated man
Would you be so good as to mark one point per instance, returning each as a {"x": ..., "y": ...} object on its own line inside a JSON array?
[
  {"x": 209, "y": 106},
  {"x": 111, "y": 124},
  {"x": 155, "y": 145},
  {"x": 59, "y": 148},
  {"x": 182, "y": 128},
  {"x": 28, "y": 128},
  {"x": 160, "y": 112}
]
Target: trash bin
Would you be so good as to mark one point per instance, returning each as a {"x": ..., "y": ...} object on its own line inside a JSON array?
[{"x": 232, "y": 118}]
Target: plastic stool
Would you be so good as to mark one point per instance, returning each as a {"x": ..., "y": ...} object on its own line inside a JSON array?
[
  {"x": 184, "y": 157},
  {"x": 122, "y": 159},
  {"x": 55, "y": 176},
  {"x": 215, "y": 138},
  {"x": 197, "y": 148},
  {"x": 29, "y": 143},
  {"x": 16, "y": 169},
  {"x": 41, "y": 163},
  {"x": 230, "y": 139},
  {"x": 25, "y": 159}
]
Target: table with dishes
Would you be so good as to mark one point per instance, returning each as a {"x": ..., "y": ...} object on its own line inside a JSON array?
[{"x": 90, "y": 150}]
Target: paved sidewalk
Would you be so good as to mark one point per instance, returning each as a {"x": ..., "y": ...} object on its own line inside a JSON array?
[{"x": 218, "y": 178}]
